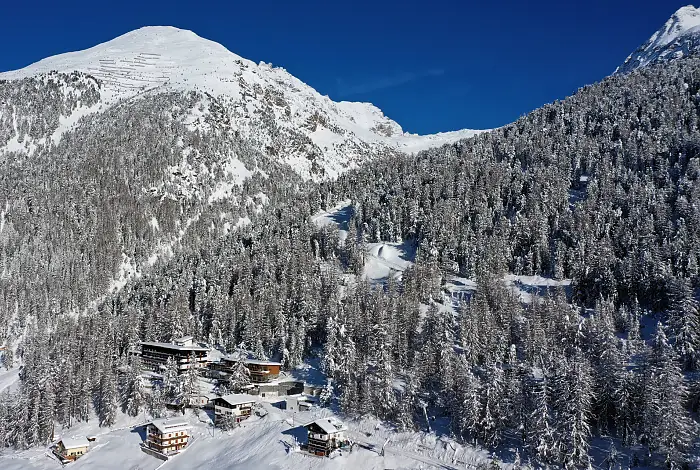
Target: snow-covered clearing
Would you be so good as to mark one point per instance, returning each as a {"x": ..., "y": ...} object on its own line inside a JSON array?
[
  {"x": 67, "y": 123},
  {"x": 266, "y": 442},
  {"x": 385, "y": 259},
  {"x": 527, "y": 286},
  {"x": 8, "y": 378},
  {"x": 2, "y": 215}
]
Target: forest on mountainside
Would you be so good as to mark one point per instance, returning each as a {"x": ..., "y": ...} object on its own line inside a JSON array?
[
  {"x": 544, "y": 377},
  {"x": 114, "y": 192}
]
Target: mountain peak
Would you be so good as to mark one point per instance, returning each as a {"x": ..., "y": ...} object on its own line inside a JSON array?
[
  {"x": 678, "y": 37},
  {"x": 256, "y": 98},
  {"x": 143, "y": 59},
  {"x": 681, "y": 22}
]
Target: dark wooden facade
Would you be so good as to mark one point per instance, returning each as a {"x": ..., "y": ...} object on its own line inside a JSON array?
[
  {"x": 324, "y": 438},
  {"x": 155, "y": 356}
]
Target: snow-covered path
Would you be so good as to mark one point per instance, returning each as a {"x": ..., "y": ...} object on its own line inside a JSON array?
[{"x": 8, "y": 378}]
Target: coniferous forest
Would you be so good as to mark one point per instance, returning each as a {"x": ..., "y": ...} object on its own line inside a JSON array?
[{"x": 602, "y": 188}]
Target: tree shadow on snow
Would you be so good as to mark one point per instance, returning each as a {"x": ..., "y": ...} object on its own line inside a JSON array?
[
  {"x": 298, "y": 433},
  {"x": 342, "y": 216}
]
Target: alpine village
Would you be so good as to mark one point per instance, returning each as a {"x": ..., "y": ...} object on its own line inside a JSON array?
[{"x": 226, "y": 388}]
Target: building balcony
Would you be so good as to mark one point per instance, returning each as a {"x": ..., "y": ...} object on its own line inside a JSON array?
[{"x": 159, "y": 438}]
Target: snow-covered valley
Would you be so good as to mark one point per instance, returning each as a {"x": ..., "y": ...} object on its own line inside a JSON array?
[{"x": 525, "y": 297}]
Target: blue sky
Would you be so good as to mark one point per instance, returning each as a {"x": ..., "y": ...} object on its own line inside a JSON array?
[{"x": 432, "y": 66}]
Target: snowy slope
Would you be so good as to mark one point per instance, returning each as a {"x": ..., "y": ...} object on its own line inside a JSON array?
[
  {"x": 259, "y": 443},
  {"x": 329, "y": 137},
  {"x": 677, "y": 38}
]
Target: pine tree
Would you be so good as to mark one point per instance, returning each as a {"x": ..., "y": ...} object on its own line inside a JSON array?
[
  {"x": 239, "y": 377},
  {"x": 136, "y": 398},
  {"x": 573, "y": 397},
  {"x": 108, "y": 398},
  {"x": 190, "y": 385},
  {"x": 684, "y": 322},
  {"x": 172, "y": 385},
  {"x": 541, "y": 434},
  {"x": 665, "y": 422},
  {"x": 492, "y": 415},
  {"x": 326, "y": 395}
]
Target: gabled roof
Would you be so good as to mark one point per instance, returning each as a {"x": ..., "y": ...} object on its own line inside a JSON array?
[
  {"x": 170, "y": 425},
  {"x": 74, "y": 442},
  {"x": 329, "y": 425},
  {"x": 237, "y": 399}
]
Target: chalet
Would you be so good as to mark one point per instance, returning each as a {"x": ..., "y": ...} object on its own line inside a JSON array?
[
  {"x": 260, "y": 371},
  {"x": 325, "y": 435},
  {"x": 224, "y": 366},
  {"x": 204, "y": 400},
  {"x": 184, "y": 352},
  {"x": 71, "y": 449},
  {"x": 167, "y": 436},
  {"x": 263, "y": 371},
  {"x": 235, "y": 407}
]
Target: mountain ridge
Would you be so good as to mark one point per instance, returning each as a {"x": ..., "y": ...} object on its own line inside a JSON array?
[
  {"x": 677, "y": 38},
  {"x": 161, "y": 58}
]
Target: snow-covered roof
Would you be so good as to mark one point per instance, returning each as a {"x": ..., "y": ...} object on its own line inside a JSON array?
[
  {"x": 300, "y": 398},
  {"x": 184, "y": 341},
  {"x": 233, "y": 357},
  {"x": 174, "y": 347},
  {"x": 238, "y": 399},
  {"x": 260, "y": 362},
  {"x": 329, "y": 425},
  {"x": 170, "y": 425},
  {"x": 74, "y": 442},
  {"x": 151, "y": 375}
]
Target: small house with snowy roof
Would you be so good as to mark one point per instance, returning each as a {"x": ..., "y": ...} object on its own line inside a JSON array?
[
  {"x": 167, "y": 436},
  {"x": 71, "y": 448},
  {"x": 326, "y": 435},
  {"x": 233, "y": 408}
]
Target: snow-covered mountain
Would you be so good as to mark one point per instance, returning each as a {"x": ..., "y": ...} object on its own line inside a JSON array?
[
  {"x": 677, "y": 38},
  {"x": 261, "y": 101}
]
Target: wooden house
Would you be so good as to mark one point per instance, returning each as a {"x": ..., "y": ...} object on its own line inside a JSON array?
[
  {"x": 232, "y": 408},
  {"x": 263, "y": 371},
  {"x": 326, "y": 435},
  {"x": 167, "y": 436},
  {"x": 71, "y": 449}
]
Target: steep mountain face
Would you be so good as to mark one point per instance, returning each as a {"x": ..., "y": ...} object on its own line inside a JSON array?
[
  {"x": 109, "y": 156},
  {"x": 286, "y": 118},
  {"x": 679, "y": 37}
]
